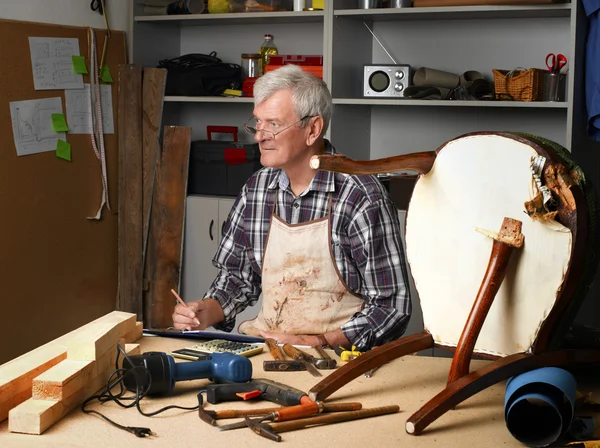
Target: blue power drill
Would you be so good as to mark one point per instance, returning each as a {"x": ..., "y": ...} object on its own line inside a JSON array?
[{"x": 160, "y": 371}]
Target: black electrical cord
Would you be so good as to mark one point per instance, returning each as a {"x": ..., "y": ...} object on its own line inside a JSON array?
[{"x": 116, "y": 378}]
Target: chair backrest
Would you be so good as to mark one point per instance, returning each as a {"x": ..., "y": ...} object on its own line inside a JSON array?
[{"x": 475, "y": 182}]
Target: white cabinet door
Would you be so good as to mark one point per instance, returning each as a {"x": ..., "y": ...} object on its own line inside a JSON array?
[
  {"x": 201, "y": 240},
  {"x": 224, "y": 209}
]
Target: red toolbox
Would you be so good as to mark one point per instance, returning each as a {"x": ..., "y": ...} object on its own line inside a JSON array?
[
  {"x": 314, "y": 69},
  {"x": 296, "y": 59}
]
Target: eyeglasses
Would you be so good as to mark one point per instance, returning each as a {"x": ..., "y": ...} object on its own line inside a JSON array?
[{"x": 270, "y": 135}]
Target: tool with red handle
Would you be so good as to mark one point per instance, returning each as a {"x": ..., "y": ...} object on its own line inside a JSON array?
[{"x": 306, "y": 409}]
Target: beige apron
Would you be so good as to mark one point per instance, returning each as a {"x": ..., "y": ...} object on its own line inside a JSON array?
[{"x": 302, "y": 290}]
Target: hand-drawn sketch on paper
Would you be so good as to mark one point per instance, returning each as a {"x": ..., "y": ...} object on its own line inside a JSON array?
[
  {"x": 32, "y": 125},
  {"x": 52, "y": 63},
  {"x": 78, "y": 110}
]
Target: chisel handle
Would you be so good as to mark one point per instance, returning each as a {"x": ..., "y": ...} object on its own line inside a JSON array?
[
  {"x": 336, "y": 417},
  {"x": 294, "y": 353},
  {"x": 295, "y": 412},
  {"x": 274, "y": 349},
  {"x": 342, "y": 407},
  {"x": 327, "y": 407}
]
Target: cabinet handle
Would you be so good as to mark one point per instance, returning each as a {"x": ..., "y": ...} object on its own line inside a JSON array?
[
  {"x": 212, "y": 221},
  {"x": 222, "y": 227}
]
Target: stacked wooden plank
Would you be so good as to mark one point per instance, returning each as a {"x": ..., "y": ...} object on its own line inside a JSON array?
[{"x": 40, "y": 387}]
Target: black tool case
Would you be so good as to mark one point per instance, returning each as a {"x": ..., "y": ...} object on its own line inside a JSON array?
[{"x": 221, "y": 168}]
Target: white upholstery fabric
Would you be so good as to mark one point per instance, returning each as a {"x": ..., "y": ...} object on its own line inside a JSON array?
[{"x": 476, "y": 181}]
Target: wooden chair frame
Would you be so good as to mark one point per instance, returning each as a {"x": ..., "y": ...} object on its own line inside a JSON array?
[{"x": 567, "y": 186}]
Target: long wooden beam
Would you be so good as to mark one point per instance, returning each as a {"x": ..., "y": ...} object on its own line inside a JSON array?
[
  {"x": 35, "y": 416},
  {"x": 16, "y": 376}
]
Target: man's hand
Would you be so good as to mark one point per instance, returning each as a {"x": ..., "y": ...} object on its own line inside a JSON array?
[
  {"x": 197, "y": 315},
  {"x": 334, "y": 338},
  {"x": 293, "y": 339}
]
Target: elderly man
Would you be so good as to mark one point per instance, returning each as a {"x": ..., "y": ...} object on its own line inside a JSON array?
[{"x": 323, "y": 248}]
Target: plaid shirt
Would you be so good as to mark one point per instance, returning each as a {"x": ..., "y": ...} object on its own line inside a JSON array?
[{"x": 365, "y": 238}]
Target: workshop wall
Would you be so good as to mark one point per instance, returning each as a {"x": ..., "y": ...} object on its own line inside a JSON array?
[
  {"x": 59, "y": 269},
  {"x": 67, "y": 12},
  {"x": 70, "y": 12}
]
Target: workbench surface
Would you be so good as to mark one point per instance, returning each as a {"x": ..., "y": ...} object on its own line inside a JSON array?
[{"x": 408, "y": 382}]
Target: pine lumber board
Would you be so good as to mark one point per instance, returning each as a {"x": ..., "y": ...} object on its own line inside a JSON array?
[
  {"x": 16, "y": 376},
  {"x": 35, "y": 416},
  {"x": 134, "y": 334},
  {"x": 133, "y": 349},
  {"x": 62, "y": 380},
  {"x": 67, "y": 377},
  {"x": 94, "y": 342}
]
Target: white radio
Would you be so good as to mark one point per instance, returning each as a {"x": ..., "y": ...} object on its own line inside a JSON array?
[{"x": 385, "y": 81}]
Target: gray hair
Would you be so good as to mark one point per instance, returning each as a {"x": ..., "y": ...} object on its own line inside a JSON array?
[{"x": 310, "y": 94}]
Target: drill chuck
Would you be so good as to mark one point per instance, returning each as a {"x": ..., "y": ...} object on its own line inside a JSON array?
[{"x": 159, "y": 372}]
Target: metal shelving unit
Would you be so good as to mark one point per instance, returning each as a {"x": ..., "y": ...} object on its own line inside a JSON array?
[
  {"x": 436, "y": 37},
  {"x": 236, "y": 18},
  {"x": 449, "y": 103},
  {"x": 458, "y": 12}
]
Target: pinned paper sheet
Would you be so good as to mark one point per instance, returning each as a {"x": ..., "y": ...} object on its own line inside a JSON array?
[
  {"x": 32, "y": 125},
  {"x": 105, "y": 75},
  {"x": 63, "y": 150},
  {"x": 59, "y": 124},
  {"x": 78, "y": 110},
  {"x": 79, "y": 65},
  {"x": 52, "y": 63}
]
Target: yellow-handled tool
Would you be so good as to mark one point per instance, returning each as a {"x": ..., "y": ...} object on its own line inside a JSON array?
[{"x": 347, "y": 355}]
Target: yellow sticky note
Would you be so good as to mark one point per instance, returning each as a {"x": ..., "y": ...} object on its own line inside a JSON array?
[
  {"x": 79, "y": 65},
  {"x": 105, "y": 75},
  {"x": 63, "y": 150},
  {"x": 59, "y": 124}
]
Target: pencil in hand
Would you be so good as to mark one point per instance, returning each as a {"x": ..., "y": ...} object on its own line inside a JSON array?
[{"x": 180, "y": 300}]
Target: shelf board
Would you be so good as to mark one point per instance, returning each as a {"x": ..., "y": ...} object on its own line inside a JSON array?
[
  {"x": 236, "y": 18},
  {"x": 458, "y": 12},
  {"x": 208, "y": 99},
  {"x": 449, "y": 103}
]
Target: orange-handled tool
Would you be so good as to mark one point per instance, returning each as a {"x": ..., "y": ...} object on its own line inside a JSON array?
[
  {"x": 306, "y": 409},
  {"x": 274, "y": 349}
]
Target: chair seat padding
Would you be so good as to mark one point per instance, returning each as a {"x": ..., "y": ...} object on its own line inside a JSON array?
[{"x": 476, "y": 181}]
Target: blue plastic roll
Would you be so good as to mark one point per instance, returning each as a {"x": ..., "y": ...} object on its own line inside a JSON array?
[{"x": 539, "y": 405}]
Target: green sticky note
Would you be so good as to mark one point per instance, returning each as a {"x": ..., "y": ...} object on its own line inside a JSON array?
[
  {"x": 105, "y": 75},
  {"x": 63, "y": 150},
  {"x": 79, "y": 65},
  {"x": 59, "y": 124}
]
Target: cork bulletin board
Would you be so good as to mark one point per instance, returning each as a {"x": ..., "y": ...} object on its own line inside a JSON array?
[{"x": 58, "y": 268}]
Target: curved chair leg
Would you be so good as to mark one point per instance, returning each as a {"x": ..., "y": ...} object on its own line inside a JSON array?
[
  {"x": 496, "y": 371},
  {"x": 374, "y": 358}
]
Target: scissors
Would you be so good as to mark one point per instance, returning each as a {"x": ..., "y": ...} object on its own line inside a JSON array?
[
  {"x": 96, "y": 5},
  {"x": 555, "y": 62}
]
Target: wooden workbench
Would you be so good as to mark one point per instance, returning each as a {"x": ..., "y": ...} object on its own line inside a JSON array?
[{"x": 408, "y": 382}]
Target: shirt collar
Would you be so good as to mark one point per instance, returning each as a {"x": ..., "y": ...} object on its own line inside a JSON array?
[{"x": 323, "y": 180}]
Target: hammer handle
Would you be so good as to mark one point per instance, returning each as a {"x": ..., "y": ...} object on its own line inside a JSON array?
[
  {"x": 333, "y": 418},
  {"x": 274, "y": 349}
]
